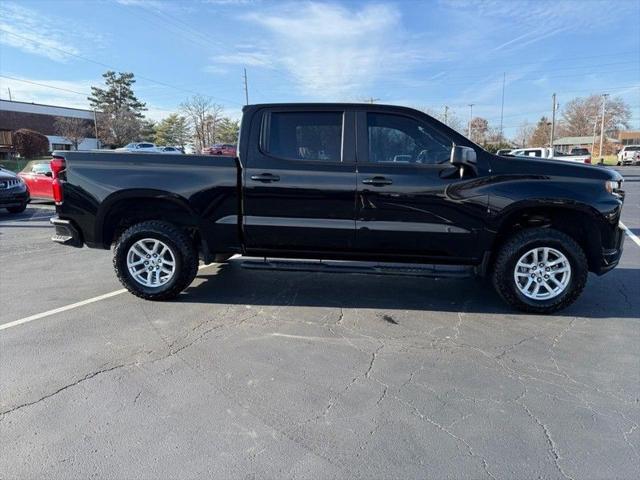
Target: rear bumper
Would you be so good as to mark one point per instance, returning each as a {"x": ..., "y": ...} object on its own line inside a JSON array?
[
  {"x": 66, "y": 232},
  {"x": 611, "y": 256}
]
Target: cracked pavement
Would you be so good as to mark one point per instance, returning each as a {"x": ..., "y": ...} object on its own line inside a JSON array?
[{"x": 257, "y": 374}]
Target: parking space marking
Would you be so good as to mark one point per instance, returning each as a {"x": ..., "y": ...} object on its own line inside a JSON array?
[
  {"x": 72, "y": 306},
  {"x": 630, "y": 234}
]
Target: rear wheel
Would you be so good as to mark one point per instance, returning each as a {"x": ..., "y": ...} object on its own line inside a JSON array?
[
  {"x": 155, "y": 260},
  {"x": 540, "y": 270}
]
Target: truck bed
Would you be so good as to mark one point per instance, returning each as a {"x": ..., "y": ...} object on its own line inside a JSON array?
[{"x": 202, "y": 189}]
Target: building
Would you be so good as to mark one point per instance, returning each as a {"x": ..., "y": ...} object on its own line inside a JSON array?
[
  {"x": 41, "y": 118},
  {"x": 565, "y": 144},
  {"x": 629, "y": 137}
]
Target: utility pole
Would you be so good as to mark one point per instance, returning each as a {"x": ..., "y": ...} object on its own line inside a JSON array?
[
  {"x": 553, "y": 120},
  {"x": 604, "y": 101},
  {"x": 95, "y": 126},
  {"x": 504, "y": 81},
  {"x": 372, "y": 100},
  {"x": 446, "y": 111},
  {"x": 246, "y": 88},
  {"x": 9, "y": 90},
  {"x": 470, "y": 118}
]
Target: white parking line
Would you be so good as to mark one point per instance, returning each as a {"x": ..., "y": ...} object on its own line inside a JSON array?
[
  {"x": 630, "y": 234},
  {"x": 66, "y": 308}
]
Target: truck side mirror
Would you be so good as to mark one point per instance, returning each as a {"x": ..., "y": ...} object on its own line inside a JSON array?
[{"x": 464, "y": 159}]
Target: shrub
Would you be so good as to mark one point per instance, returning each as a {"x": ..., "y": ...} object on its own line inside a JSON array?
[{"x": 30, "y": 143}]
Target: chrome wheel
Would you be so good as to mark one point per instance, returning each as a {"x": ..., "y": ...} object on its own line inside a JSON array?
[
  {"x": 151, "y": 262},
  {"x": 542, "y": 273}
]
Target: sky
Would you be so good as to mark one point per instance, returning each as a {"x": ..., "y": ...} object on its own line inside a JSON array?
[{"x": 425, "y": 54}]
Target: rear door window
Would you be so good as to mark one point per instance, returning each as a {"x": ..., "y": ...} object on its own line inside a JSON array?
[{"x": 304, "y": 136}]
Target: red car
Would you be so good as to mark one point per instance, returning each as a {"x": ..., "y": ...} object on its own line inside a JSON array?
[
  {"x": 38, "y": 178},
  {"x": 225, "y": 149}
]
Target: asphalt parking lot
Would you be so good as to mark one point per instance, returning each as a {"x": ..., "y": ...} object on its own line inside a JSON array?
[{"x": 256, "y": 374}]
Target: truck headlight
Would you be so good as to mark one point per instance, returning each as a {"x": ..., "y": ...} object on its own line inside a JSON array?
[{"x": 613, "y": 186}]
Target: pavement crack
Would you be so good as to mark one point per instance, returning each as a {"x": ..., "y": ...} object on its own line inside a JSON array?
[
  {"x": 88, "y": 376},
  {"x": 553, "y": 449},
  {"x": 471, "y": 452}
]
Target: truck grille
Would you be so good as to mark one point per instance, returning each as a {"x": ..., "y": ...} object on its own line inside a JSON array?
[{"x": 6, "y": 184}]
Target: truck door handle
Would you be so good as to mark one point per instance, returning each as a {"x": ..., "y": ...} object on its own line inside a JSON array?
[
  {"x": 377, "y": 181},
  {"x": 265, "y": 177}
]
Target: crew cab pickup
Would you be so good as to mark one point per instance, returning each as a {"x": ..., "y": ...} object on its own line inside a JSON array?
[
  {"x": 546, "y": 152},
  {"x": 345, "y": 181}
]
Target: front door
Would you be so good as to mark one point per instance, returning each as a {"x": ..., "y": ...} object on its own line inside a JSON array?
[
  {"x": 411, "y": 202},
  {"x": 300, "y": 181}
]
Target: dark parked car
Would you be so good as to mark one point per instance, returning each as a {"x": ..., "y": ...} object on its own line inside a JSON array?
[
  {"x": 224, "y": 149},
  {"x": 37, "y": 176},
  {"x": 346, "y": 181},
  {"x": 14, "y": 195}
]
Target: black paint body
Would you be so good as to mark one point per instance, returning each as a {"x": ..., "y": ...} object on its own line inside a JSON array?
[{"x": 257, "y": 204}]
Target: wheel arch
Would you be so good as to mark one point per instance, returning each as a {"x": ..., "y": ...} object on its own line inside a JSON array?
[
  {"x": 125, "y": 208},
  {"x": 580, "y": 221}
]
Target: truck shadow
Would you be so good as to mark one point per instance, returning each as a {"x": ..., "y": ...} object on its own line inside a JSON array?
[{"x": 609, "y": 296}]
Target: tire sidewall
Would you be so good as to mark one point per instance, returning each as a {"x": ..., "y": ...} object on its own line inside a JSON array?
[
  {"x": 122, "y": 250},
  {"x": 576, "y": 274}
]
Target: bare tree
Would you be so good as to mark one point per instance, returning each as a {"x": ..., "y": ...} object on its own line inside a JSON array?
[
  {"x": 581, "y": 114},
  {"x": 450, "y": 119},
  {"x": 479, "y": 129},
  {"x": 203, "y": 115},
  {"x": 525, "y": 130},
  {"x": 118, "y": 128},
  {"x": 75, "y": 130}
]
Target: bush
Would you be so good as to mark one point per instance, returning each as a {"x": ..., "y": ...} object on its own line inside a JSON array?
[{"x": 30, "y": 143}]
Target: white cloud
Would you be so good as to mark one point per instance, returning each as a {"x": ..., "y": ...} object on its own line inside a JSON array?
[
  {"x": 24, "y": 29},
  {"x": 253, "y": 59},
  {"x": 329, "y": 51}
]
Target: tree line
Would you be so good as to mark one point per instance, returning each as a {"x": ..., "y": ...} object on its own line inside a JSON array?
[
  {"x": 120, "y": 119},
  {"x": 201, "y": 122},
  {"x": 580, "y": 117}
]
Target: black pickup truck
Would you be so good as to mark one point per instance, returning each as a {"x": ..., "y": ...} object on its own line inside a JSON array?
[{"x": 345, "y": 181}]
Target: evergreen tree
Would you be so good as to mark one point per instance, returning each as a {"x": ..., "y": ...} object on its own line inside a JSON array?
[
  {"x": 541, "y": 136},
  {"x": 173, "y": 130},
  {"x": 118, "y": 96},
  {"x": 120, "y": 111}
]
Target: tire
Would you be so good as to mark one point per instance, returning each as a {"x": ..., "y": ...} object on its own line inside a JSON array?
[
  {"x": 180, "y": 251},
  {"x": 516, "y": 247},
  {"x": 18, "y": 209}
]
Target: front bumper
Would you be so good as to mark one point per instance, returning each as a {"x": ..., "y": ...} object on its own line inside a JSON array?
[
  {"x": 13, "y": 198},
  {"x": 611, "y": 256},
  {"x": 66, "y": 232}
]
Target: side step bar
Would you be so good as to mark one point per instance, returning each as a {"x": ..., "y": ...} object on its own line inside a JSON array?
[{"x": 376, "y": 268}]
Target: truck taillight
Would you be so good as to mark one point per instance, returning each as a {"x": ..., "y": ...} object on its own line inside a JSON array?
[
  {"x": 57, "y": 167},
  {"x": 587, "y": 160}
]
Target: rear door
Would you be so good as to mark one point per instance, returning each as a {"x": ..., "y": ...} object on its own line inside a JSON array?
[
  {"x": 411, "y": 202},
  {"x": 299, "y": 180}
]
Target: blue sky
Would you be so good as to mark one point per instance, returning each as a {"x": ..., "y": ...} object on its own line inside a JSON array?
[{"x": 424, "y": 54}]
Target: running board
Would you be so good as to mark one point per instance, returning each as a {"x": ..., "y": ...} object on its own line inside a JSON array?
[{"x": 337, "y": 266}]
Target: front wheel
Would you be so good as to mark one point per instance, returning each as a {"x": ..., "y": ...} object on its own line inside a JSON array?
[
  {"x": 18, "y": 209},
  {"x": 155, "y": 260},
  {"x": 540, "y": 270}
]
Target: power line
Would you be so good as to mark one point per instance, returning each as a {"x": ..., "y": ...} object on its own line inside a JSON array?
[
  {"x": 44, "y": 85},
  {"x": 111, "y": 67}
]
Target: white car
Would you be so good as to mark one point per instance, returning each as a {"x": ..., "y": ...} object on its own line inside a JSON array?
[
  {"x": 174, "y": 150},
  {"x": 550, "y": 153},
  {"x": 139, "y": 147},
  {"x": 629, "y": 155}
]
